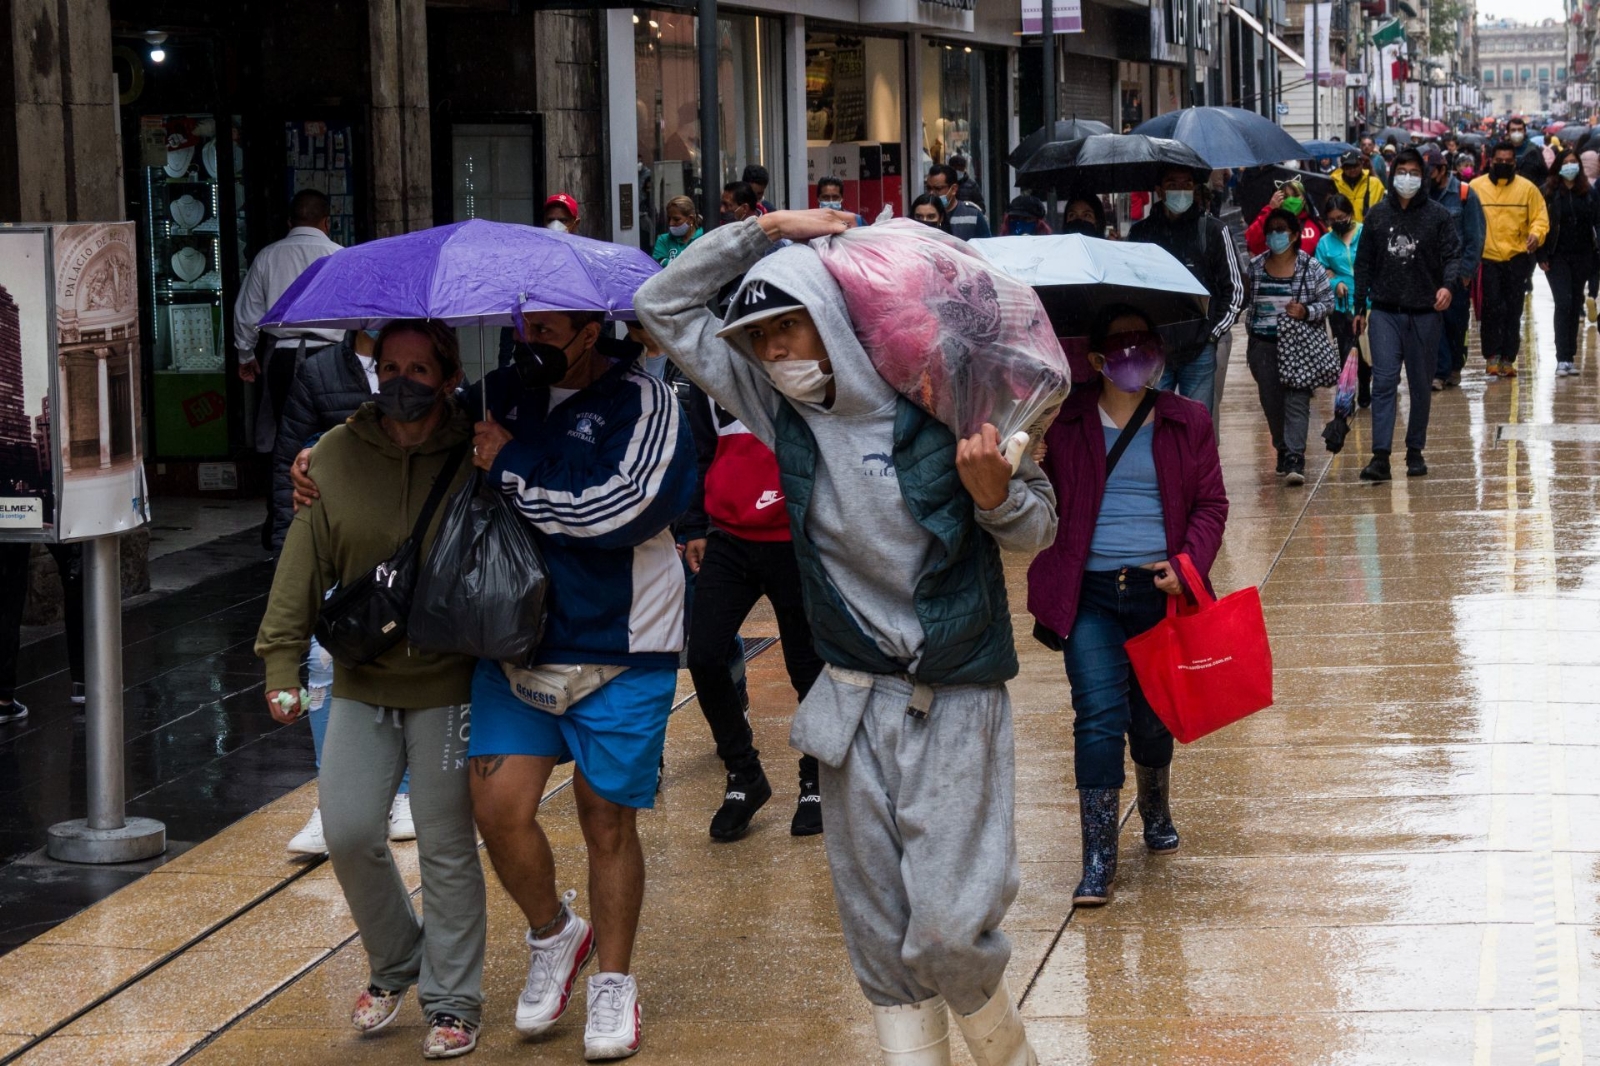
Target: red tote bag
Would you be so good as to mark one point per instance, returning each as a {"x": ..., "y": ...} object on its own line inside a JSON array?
[{"x": 1207, "y": 664}]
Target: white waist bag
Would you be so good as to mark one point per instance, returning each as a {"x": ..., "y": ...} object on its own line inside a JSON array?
[{"x": 554, "y": 687}]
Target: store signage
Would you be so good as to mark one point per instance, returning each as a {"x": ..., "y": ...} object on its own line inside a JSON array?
[
  {"x": 70, "y": 457},
  {"x": 1066, "y": 14},
  {"x": 954, "y": 5},
  {"x": 625, "y": 203}
]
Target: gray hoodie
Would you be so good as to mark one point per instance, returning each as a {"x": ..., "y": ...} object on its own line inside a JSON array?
[{"x": 872, "y": 548}]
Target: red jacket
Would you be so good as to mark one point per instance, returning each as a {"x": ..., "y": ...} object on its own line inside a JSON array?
[
  {"x": 1255, "y": 236},
  {"x": 739, "y": 491},
  {"x": 1194, "y": 502}
]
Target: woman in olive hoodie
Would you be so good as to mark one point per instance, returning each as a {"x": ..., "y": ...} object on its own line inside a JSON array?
[{"x": 407, "y": 708}]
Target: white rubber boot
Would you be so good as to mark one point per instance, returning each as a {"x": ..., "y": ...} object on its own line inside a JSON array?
[
  {"x": 917, "y": 1034},
  {"x": 994, "y": 1032}
]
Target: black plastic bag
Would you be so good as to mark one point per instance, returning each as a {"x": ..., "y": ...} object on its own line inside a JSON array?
[{"x": 483, "y": 589}]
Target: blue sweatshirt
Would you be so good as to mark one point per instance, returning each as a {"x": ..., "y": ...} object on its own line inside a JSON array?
[{"x": 601, "y": 477}]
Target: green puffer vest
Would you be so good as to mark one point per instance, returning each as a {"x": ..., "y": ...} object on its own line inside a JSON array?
[{"x": 961, "y": 602}]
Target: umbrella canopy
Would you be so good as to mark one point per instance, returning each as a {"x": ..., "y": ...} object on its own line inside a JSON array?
[
  {"x": 1067, "y": 129},
  {"x": 1428, "y": 127},
  {"x": 1470, "y": 140},
  {"x": 1395, "y": 135},
  {"x": 1325, "y": 149},
  {"x": 1226, "y": 136},
  {"x": 469, "y": 273},
  {"x": 1254, "y": 192},
  {"x": 1108, "y": 162},
  {"x": 1572, "y": 133},
  {"x": 1075, "y": 276}
]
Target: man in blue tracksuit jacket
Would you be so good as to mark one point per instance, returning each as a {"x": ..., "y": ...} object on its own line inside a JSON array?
[
  {"x": 595, "y": 454},
  {"x": 1462, "y": 203}
]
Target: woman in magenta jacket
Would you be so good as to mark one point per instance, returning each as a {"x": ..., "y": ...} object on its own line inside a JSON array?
[{"x": 1108, "y": 575}]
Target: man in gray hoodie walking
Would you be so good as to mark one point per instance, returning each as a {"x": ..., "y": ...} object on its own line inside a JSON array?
[{"x": 897, "y": 528}]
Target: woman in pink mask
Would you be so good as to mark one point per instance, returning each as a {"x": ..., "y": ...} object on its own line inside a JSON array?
[{"x": 1137, "y": 481}]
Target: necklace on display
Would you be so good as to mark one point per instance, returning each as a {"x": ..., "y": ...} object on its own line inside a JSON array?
[
  {"x": 187, "y": 212},
  {"x": 178, "y": 160},
  {"x": 188, "y": 263}
]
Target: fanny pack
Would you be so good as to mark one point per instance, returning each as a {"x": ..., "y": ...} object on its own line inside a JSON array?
[{"x": 554, "y": 687}]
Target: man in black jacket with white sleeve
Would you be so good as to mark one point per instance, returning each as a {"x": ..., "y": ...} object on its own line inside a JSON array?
[{"x": 1410, "y": 253}]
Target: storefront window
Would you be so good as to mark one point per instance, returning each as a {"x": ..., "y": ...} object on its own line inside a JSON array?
[
  {"x": 750, "y": 115},
  {"x": 855, "y": 125},
  {"x": 953, "y": 105}
]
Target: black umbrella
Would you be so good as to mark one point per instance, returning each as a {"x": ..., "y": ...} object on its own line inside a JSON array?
[
  {"x": 1108, "y": 162},
  {"x": 1396, "y": 135},
  {"x": 1067, "y": 129},
  {"x": 1469, "y": 140},
  {"x": 1334, "y": 433},
  {"x": 1226, "y": 136},
  {"x": 1254, "y": 191}
]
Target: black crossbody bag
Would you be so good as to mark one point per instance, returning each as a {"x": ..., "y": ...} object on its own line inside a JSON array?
[
  {"x": 367, "y": 617},
  {"x": 1049, "y": 637}
]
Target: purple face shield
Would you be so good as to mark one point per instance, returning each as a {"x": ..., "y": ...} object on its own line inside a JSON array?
[{"x": 1132, "y": 359}]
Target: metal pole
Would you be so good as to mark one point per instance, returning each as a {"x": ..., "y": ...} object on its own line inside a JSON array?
[
  {"x": 1190, "y": 13},
  {"x": 1047, "y": 29},
  {"x": 106, "y": 835},
  {"x": 1316, "y": 77},
  {"x": 710, "y": 146},
  {"x": 1347, "y": 36},
  {"x": 102, "y": 589}
]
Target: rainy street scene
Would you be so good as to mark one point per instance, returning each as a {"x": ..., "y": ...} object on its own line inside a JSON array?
[{"x": 800, "y": 532}]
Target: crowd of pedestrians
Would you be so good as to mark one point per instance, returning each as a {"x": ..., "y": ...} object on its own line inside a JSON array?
[{"x": 740, "y": 445}]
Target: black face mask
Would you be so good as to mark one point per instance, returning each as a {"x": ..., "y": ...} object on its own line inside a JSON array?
[
  {"x": 728, "y": 217},
  {"x": 1503, "y": 171},
  {"x": 403, "y": 399},
  {"x": 1078, "y": 225},
  {"x": 1343, "y": 225},
  {"x": 539, "y": 365}
]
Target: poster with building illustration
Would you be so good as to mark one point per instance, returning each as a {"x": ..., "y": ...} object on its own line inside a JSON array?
[
  {"x": 99, "y": 427},
  {"x": 27, "y": 496}
]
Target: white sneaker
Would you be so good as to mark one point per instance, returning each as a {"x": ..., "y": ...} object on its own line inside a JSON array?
[
  {"x": 615, "y": 1027},
  {"x": 552, "y": 971},
  {"x": 401, "y": 827},
  {"x": 309, "y": 841}
]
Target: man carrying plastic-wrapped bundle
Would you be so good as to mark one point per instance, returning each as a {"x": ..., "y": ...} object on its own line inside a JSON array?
[{"x": 897, "y": 525}]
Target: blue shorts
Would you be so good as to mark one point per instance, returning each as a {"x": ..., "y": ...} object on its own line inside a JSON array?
[{"x": 615, "y": 735}]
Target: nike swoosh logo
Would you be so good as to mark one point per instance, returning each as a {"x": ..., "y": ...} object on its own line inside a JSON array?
[{"x": 763, "y": 503}]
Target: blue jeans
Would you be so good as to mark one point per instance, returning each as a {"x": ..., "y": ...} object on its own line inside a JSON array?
[
  {"x": 1107, "y": 702},
  {"x": 1453, "y": 337},
  {"x": 1196, "y": 379},
  {"x": 1409, "y": 342}
]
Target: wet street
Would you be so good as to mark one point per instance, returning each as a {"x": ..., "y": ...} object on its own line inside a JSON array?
[{"x": 1397, "y": 863}]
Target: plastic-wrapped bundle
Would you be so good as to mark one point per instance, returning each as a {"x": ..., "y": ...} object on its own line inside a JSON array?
[{"x": 964, "y": 342}]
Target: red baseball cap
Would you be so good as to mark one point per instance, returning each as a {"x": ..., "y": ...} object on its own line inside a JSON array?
[{"x": 565, "y": 201}]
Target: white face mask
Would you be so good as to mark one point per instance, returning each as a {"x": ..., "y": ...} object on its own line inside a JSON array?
[
  {"x": 1516, "y": 137},
  {"x": 800, "y": 379},
  {"x": 831, "y": 205},
  {"x": 557, "y": 225},
  {"x": 680, "y": 230},
  {"x": 1407, "y": 185}
]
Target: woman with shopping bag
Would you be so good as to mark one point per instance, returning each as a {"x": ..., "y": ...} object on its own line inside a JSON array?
[{"x": 1137, "y": 482}]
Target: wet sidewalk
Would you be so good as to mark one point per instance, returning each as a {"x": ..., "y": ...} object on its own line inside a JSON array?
[{"x": 1398, "y": 863}]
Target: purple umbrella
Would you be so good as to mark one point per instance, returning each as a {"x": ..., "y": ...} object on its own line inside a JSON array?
[{"x": 473, "y": 273}]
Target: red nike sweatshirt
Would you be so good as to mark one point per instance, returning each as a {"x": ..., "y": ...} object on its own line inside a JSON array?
[{"x": 739, "y": 489}]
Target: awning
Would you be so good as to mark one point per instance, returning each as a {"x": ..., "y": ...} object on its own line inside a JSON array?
[
  {"x": 1246, "y": 18},
  {"x": 1288, "y": 53}
]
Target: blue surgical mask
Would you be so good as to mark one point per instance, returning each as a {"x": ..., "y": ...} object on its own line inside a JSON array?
[
  {"x": 1179, "y": 200},
  {"x": 1569, "y": 171},
  {"x": 831, "y": 205},
  {"x": 1278, "y": 242},
  {"x": 680, "y": 230},
  {"x": 1024, "y": 227}
]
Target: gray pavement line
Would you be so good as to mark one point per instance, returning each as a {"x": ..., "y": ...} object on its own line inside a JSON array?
[
  {"x": 1022, "y": 1000},
  {"x": 156, "y": 964},
  {"x": 753, "y": 648},
  {"x": 1301, "y": 517}
]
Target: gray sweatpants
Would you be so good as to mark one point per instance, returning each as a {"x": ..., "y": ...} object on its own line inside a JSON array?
[
  {"x": 922, "y": 844},
  {"x": 367, "y": 750}
]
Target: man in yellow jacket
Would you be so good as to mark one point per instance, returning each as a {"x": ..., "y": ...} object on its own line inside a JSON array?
[
  {"x": 1354, "y": 181},
  {"x": 1516, "y": 221}
]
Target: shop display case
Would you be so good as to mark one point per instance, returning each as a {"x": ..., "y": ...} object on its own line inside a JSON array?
[{"x": 193, "y": 203}]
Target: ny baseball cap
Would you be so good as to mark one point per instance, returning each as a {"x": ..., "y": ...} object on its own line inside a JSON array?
[
  {"x": 565, "y": 201},
  {"x": 757, "y": 300}
]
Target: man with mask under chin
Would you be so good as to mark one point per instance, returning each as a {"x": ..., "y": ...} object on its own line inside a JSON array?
[
  {"x": 1201, "y": 243},
  {"x": 897, "y": 528}
]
